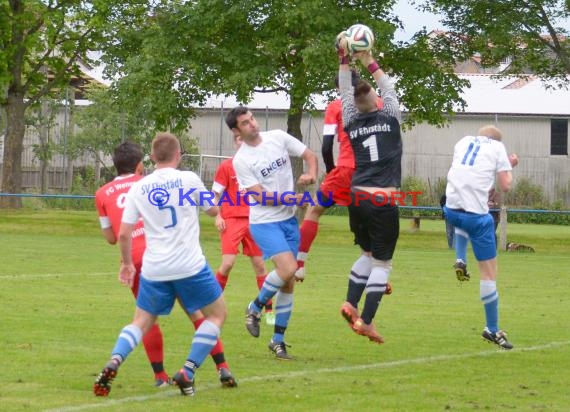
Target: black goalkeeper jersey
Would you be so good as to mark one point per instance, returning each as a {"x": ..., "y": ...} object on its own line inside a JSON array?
[
  {"x": 375, "y": 137},
  {"x": 377, "y": 144}
]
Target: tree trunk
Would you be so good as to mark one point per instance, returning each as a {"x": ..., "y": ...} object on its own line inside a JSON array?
[
  {"x": 294, "y": 118},
  {"x": 13, "y": 147}
]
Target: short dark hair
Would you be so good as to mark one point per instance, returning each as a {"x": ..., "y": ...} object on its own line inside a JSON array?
[
  {"x": 361, "y": 89},
  {"x": 354, "y": 75},
  {"x": 126, "y": 157},
  {"x": 231, "y": 117}
]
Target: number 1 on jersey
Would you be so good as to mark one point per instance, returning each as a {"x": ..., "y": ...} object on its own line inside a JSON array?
[{"x": 372, "y": 146}]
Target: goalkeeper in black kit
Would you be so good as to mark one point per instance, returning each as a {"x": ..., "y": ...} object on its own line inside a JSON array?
[{"x": 376, "y": 140}]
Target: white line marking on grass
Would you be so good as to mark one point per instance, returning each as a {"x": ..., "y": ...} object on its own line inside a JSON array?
[
  {"x": 34, "y": 276},
  {"x": 380, "y": 365}
]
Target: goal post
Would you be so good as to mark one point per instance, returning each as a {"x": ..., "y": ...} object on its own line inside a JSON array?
[{"x": 203, "y": 165}]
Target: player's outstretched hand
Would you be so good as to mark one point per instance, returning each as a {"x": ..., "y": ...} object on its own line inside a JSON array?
[
  {"x": 220, "y": 223},
  {"x": 127, "y": 274},
  {"x": 514, "y": 159},
  {"x": 341, "y": 44},
  {"x": 364, "y": 57},
  {"x": 306, "y": 179}
]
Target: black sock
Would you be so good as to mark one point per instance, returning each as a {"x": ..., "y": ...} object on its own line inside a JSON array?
[
  {"x": 355, "y": 291},
  {"x": 371, "y": 304}
]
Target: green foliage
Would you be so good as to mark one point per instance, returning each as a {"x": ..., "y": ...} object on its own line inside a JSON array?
[
  {"x": 41, "y": 118},
  {"x": 189, "y": 51},
  {"x": 84, "y": 182},
  {"x": 528, "y": 32},
  {"x": 427, "y": 84},
  {"x": 54, "y": 203},
  {"x": 417, "y": 184},
  {"x": 525, "y": 193},
  {"x": 190, "y": 154},
  {"x": 40, "y": 38},
  {"x": 42, "y": 45},
  {"x": 83, "y": 186},
  {"x": 562, "y": 219},
  {"x": 563, "y": 194},
  {"x": 43, "y": 152},
  {"x": 104, "y": 124},
  {"x": 2, "y": 119},
  {"x": 438, "y": 189}
]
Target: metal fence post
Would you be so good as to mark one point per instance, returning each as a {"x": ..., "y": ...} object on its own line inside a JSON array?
[{"x": 503, "y": 228}]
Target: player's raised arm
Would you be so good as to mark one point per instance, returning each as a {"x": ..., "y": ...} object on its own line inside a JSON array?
[
  {"x": 349, "y": 110},
  {"x": 384, "y": 83}
]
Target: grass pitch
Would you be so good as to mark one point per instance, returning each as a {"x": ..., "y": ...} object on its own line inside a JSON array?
[{"x": 62, "y": 308}]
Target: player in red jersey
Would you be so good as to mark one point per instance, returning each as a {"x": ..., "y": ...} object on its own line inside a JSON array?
[
  {"x": 233, "y": 224},
  {"x": 337, "y": 181},
  {"x": 110, "y": 202}
]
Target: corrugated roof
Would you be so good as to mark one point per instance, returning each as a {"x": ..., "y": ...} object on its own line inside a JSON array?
[
  {"x": 491, "y": 95},
  {"x": 486, "y": 95},
  {"x": 507, "y": 95},
  {"x": 271, "y": 101}
]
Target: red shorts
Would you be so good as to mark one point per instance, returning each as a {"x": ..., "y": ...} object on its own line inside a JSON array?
[
  {"x": 136, "y": 280},
  {"x": 237, "y": 231},
  {"x": 338, "y": 181}
]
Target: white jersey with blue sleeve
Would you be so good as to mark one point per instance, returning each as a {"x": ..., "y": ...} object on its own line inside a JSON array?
[
  {"x": 168, "y": 200},
  {"x": 269, "y": 164},
  {"x": 476, "y": 162}
]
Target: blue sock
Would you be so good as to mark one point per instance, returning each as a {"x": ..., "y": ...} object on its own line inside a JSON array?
[
  {"x": 283, "y": 308},
  {"x": 270, "y": 287},
  {"x": 204, "y": 340},
  {"x": 490, "y": 299},
  {"x": 461, "y": 239},
  {"x": 127, "y": 341}
]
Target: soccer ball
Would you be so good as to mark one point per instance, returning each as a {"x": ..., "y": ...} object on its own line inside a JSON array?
[{"x": 359, "y": 38}]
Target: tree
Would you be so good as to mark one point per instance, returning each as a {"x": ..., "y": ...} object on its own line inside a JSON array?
[
  {"x": 42, "y": 121},
  {"x": 39, "y": 37},
  {"x": 529, "y": 32},
  {"x": 105, "y": 123},
  {"x": 190, "y": 50}
]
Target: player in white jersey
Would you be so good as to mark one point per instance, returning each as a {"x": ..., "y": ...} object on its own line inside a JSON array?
[
  {"x": 171, "y": 222},
  {"x": 477, "y": 162},
  {"x": 174, "y": 267},
  {"x": 263, "y": 166}
]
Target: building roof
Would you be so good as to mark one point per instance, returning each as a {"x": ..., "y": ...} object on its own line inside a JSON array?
[
  {"x": 487, "y": 94},
  {"x": 512, "y": 95},
  {"x": 261, "y": 101}
]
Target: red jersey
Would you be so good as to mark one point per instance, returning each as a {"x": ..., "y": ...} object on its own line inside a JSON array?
[
  {"x": 333, "y": 125},
  {"x": 110, "y": 201},
  {"x": 232, "y": 201}
]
